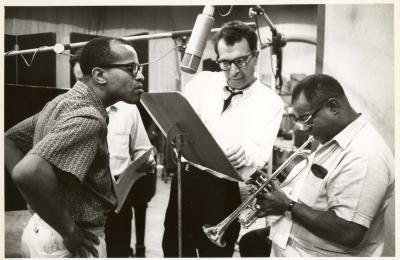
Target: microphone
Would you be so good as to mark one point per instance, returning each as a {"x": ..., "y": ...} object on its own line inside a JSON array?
[{"x": 198, "y": 39}]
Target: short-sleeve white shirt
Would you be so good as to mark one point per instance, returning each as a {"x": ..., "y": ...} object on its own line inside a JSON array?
[
  {"x": 252, "y": 119},
  {"x": 127, "y": 138},
  {"x": 358, "y": 187}
]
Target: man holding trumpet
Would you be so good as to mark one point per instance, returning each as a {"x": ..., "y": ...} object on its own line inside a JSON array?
[{"x": 336, "y": 206}]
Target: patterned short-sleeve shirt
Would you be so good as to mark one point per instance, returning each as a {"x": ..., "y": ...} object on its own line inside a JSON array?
[{"x": 70, "y": 133}]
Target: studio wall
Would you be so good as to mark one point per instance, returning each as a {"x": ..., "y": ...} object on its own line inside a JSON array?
[
  {"x": 129, "y": 20},
  {"x": 359, "y": 52}
]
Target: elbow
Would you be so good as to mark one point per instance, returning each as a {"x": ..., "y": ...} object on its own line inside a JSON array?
[
  {"x": 23, "y": 174},
  {"x": 352, "y": 238},
  {"x": 20, "y": 175},
  {"x": 351, "y": 242}
]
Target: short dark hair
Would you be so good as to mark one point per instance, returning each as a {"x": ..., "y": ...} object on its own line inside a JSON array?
[
  {"x": 97, "y": 52},
  {"x": 233, "y": 32},
  {"x": 317, "y": 88}
]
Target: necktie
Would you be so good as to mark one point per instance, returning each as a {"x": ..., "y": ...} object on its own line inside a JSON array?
[{"x": 229, "y": 99}]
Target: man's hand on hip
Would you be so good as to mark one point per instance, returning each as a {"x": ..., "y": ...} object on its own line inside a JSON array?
[{"x": 81, "y": 242}]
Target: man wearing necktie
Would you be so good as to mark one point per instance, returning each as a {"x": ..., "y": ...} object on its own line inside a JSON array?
[{"x": 243, "y": 115}]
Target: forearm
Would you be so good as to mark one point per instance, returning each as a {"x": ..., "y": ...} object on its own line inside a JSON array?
[
  {"x": 37, "y": 181},
  {"x": 327, "y": 225}
]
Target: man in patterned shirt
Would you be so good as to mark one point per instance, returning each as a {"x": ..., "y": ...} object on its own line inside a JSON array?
[{"x": 58, "y": 158}]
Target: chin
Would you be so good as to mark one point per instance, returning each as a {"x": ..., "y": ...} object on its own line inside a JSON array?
[
  {"x": 237, "y": 85},
  {"x": 132, "y": 100}
]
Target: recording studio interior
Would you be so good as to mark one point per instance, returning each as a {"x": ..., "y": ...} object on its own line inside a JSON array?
[{"x": 354, "y": 43}]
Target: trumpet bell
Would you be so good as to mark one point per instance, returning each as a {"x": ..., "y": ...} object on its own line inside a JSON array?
[{"x": 214, "y": 234}]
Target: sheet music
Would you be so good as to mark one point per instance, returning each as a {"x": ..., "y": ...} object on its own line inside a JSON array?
[{"x": 128, "y": 177}]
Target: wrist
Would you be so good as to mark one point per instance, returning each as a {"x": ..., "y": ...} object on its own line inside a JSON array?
[
  {"x": 69, "y": 230},
  {"x": 290, "y": 206}
]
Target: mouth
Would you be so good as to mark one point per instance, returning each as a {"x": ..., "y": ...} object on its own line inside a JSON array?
[
  {"x": 236, "y": 78},
  {"x": 139, "y": 87}
]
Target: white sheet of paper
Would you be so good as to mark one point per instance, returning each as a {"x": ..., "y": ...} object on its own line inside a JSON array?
[{"x": 129, "y": 177}]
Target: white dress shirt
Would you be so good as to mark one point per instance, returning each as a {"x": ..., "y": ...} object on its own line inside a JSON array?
[
  {"x": 251, "y": 120},
  {"x": 127, "y": 138},
  {"x": 357, "y": 187}
]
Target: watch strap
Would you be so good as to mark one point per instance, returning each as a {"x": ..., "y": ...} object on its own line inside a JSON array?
[{"x": 291, "y": 205}]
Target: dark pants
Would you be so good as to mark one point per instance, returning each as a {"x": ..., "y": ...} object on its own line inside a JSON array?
[
  {"x": 255, "y": 243},
  {"x": 206, "y": 199},
  {"x": 118, "y": 227}
]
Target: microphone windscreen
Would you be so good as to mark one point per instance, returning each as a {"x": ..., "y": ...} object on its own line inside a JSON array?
[{"x": 197, "y": 42}]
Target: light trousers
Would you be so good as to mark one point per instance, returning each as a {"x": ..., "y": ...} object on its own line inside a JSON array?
[{"x": 39, "y": 240}]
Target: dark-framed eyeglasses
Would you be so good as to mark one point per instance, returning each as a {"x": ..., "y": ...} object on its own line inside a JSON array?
[
  {"x": 132, "y": 68},
  {"x": 305, "y": 119},
  {"x": 240, "y": 62}
]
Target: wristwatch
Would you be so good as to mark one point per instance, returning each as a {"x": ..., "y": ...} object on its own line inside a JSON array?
[
  {"x": 291, "y": 205},
  {"x": 288, "y": 211}
]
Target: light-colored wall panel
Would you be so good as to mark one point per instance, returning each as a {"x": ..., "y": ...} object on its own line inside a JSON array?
[{"x": 359, "y": 52}]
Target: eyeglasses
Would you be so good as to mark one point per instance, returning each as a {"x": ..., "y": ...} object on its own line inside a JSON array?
[
  {"x": 132, "y": 68},
  {"x": 305, "y": 122},
  {"x": 240, "y": 62}
]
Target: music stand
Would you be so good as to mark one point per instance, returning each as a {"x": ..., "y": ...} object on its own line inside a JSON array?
[
  {"x": 180, "y": 124},
  {"x": 176, "y": 118}
]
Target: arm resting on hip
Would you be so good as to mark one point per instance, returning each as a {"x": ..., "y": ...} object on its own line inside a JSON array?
[{"x": 37, "y": 181}]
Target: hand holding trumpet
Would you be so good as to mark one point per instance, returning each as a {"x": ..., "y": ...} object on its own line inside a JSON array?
[{"x": 274, "y": 202}]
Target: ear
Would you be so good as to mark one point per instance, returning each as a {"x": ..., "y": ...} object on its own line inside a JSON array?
[
  {"x": 256, "y": 56},
  {"x": 334, "y": 105},
  {"x": 98, "y": 75}
]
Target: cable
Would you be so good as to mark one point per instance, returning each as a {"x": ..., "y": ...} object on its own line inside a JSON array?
[
  {"x": 33, "y": 57},
  {"x": 150, "y": 62},
  {"x": 258, "y": 32}
]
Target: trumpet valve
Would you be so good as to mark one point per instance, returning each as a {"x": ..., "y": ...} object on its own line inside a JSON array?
[
  {"x": 252, "y": 188},
  {"x": 247, "y": 217}
]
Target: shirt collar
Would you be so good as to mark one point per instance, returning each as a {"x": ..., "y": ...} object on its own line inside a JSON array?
[
  {"x": 344, "y": 137},
  {"x": 83, "y": 89},
  {"x": 112, "y": 108},
  {"x": 228, "y": 90}
]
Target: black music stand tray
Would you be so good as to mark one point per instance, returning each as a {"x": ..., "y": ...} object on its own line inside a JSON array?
[{"x": 175, "y": 117}]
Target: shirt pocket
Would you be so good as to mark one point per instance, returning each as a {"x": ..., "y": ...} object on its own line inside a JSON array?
[{"x": 312, "y": 190}]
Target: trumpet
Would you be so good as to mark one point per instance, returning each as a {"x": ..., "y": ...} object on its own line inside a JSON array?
[{"x": 246, "y": 212}]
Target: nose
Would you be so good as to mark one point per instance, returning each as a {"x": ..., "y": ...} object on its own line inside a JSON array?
[
  {"x": 139, "y": 76},
  {"x": 234, "y": 69}
]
